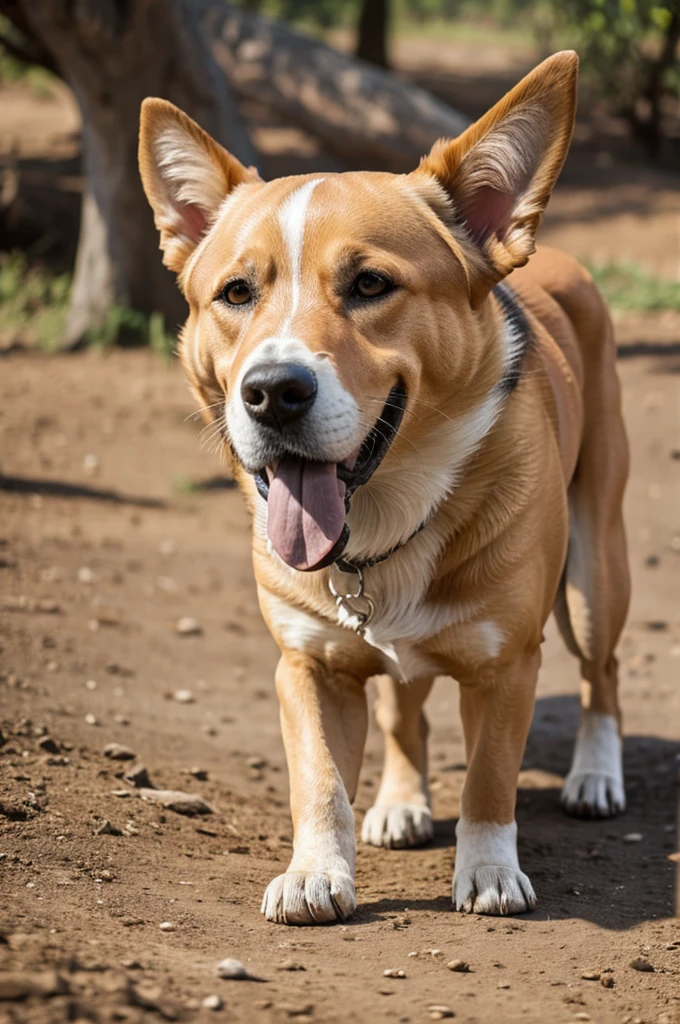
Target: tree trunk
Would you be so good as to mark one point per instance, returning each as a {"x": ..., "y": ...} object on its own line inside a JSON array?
[
  {"x": 368, "y": 116},
  {"x": 372, "y": 32},
  {"x": 113, "y": 53}
]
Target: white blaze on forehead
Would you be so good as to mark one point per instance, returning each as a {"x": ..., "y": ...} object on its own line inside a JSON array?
[{"x": 292, "y": 218}]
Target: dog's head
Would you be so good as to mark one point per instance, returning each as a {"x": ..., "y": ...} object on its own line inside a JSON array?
[{"x": 323, "y": 306}]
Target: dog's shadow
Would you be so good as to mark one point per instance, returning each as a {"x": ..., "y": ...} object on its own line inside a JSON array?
[{"x": 616, "y": 872}]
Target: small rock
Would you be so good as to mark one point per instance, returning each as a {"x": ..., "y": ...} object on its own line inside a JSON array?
[
  {"x": 186, "y": 626},
  {"x": 167, "y": 926},
  {"x": 257, "y": 763},
  {"x": 132, "y": 964},
  {"x": 90, "y": 463},
  {"x": 91, "y": 684},
  {"x": 582, "y": 1015},
  {"x": 184, "y": 697},
  {"x": 607, "y": 981},
  {"x": 656, "y": 626},
  {"x": 91, "y": 719},
  {"x": 121, "y": 719},
  {"x": 197, "y": 773},
  {"x": 394, "y": 972},
  {"x": 48, "y": 606},
  {"x": 590, "y": 975},
  {"x": 640, "y": 963},
  {"x": 460, "y": 966},
  {"x": 232, "y": 969},
  {"x": 291, "y": 965},
  {"x": 633, "y": 837},
  {"x": 117, "y": 752},
  {"x": 85, "y": 574},
  {"x": 49, "y": 745},
  {"x": 438, "y": 1012},
  {"x": 139, "y": 778},
  {"x": 503, "y": 984},
  {"x": 177, "y": 801},
  {"x": 107, "y": 829},
  {"x": 213, "y": 1003},
  {"x": 18, "y": 985}
]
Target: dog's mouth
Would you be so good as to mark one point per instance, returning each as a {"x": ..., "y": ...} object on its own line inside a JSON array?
[{"x": 308, "y": 501}]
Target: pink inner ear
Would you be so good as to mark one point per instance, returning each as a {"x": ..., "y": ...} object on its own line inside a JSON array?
[
  {"x": 193, "y": 219},
  {"x": 488, "y": 213}
]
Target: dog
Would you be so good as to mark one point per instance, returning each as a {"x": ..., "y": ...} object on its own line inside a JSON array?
[{"x": 427, "y": 429}]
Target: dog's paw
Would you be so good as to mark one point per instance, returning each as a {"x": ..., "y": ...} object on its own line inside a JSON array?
[
  {"x": 493, "y": 889},
  {"x": 593, "y": 795},
  {"x": 397, "y": 825},
  {"x": 306, "y": 897}
]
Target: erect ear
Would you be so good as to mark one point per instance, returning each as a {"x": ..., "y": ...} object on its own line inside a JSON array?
[
  {"x": 186, "y": 176},
  {"x": 500, "y": 172}
]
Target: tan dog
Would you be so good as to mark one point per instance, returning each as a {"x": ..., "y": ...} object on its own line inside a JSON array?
[{"x": 433, "y": 461}]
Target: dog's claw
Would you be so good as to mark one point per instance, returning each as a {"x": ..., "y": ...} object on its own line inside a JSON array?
[
  {"x": 493, "y": 890},
  {"x": 397, "y": 825},
  {"x": 593, "y": 795},
  {"x": 306, "y": 897}
]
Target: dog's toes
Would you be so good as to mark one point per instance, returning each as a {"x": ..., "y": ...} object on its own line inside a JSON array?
[
  {"x": 493, "y": 890},
  {"x": 306, "y": 897},
  {"x": 397, "y": 825},
  {"x": 593, "y": 795}
]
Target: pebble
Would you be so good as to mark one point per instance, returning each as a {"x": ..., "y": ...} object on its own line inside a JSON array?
[
  {"x": 85, "y": 574},
  {"x": 49, "y": 745},
  {"x": 503, "y": 984},
  {"x": 256, "y": 762},
  {"x": 184, "y": 697},
  {"x": 394, "y": 972},
  {"x": 633, "y": 837},
  {"x": 232, "y": 968},
  {"x": 460, "y": 966},
  {"x": 139, "y": 778},
  {"x": 197, "y": 773},
  {"x": 438, "y": 1012},
  {"x": 640, "y": 963},
  {"x": 176, "y": 800},
  {"x": 90, "y": 463},
  {"x": 91, "y": 684},
  {"x": 590, "y": 975},
  {"x": 167, "y": 926},
  {"x": 607, "y": 981},
  {"x": 117, "y": 752},
  {"x": 291, "y": 965},
  {"x": 91, "y": 719},
  {"x": 107, "y": 829},
  {"x": 186, "y": 626},
  {"x": 582, "y": 1015},
  {"x": 213, "y": 1003}
]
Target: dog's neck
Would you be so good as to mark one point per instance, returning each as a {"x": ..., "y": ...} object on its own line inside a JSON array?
[{"x": 415, "y": 481}]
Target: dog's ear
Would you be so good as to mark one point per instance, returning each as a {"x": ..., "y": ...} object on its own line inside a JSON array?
[
  {"x": 186, "y": 176},
  {"x": 500, "y": 172}
]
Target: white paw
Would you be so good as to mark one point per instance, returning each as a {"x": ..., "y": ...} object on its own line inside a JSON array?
[
  {"x": 593, "y": 795},
  {"x": 306, "y": 897},
  {"x": 493, "y": 889},
  {"x": 594, "y": 786},
  {"x": 397, "y": 825}
]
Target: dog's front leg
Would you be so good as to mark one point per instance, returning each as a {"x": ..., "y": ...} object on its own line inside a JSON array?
[
  {"x": 324, "y": 721},
  {"x": 496, "y": 712}
]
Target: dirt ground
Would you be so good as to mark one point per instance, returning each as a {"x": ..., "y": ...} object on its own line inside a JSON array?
[{"x": 116, "y": 521}]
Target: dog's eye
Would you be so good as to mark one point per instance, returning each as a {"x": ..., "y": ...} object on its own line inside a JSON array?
[
  {"x": 371, "y": 286},
  {"x": 236, "y": 293}
]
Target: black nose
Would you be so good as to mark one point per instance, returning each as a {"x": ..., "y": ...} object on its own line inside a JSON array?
[{"x": 277, "y": 394}]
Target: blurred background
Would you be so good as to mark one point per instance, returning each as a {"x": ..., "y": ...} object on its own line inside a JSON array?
[{"x": 326, "y": 84}]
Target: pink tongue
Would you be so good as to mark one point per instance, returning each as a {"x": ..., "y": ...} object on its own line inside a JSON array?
[{"x": 306, "y": 511}]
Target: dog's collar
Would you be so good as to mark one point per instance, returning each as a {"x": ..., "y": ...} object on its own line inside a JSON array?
[{"x": 351, "y": 564}]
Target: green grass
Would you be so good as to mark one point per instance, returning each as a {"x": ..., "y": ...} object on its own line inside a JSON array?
[
  {"x": 627, "y": 286},
  {"x": 34, "y": 305}
]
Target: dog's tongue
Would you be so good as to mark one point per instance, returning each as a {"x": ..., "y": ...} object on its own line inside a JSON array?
[{"x": 305, "y": 511}]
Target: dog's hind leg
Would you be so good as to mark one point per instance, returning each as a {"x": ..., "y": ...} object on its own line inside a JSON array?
[
  {"x": 401, "y": 814},
  {"x": 593, "y": 597}
]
